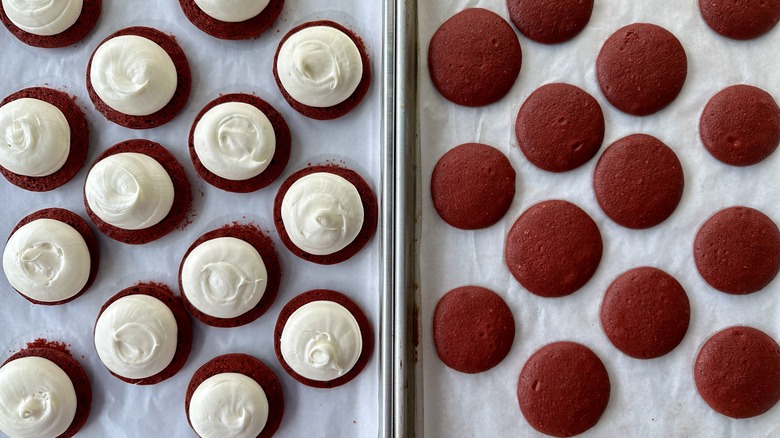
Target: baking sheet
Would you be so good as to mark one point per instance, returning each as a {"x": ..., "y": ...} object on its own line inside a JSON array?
[
  {"x": 120, "y": 409},
  {"x": 650, "y": 398}
]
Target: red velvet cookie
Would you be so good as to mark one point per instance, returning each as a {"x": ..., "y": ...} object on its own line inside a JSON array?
[
  {"x": 473, "y": 329},
  {"x": 638, "y": 181},
  {"x": 645, "y": 313},
  {"x": 559, "y": 127},
  {"x": 90, "y": 11},
  {"x": 550, "y": 22},
  {"x": 563, "y": 389},
  {"x": 472, "y": 186},
  {"x": 252, "y": 368},
  {"x": 737, "y": 250},
  {"x": 553, "y": 248},
  {"x": 641, "y": 68},
  {"x": 474, "y": 57},
  {"x": 79, "y": 140},
  {"x": 740, "y": 19},
  {"x": 278, "y": 162},
  {"x": 737, "y": 372},
  {"x": 241, "y": 30},
  {"x": 740, "y": 125}
]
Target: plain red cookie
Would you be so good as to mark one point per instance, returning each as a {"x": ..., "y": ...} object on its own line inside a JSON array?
[
  {"x": 90, "y": 12},
  {"x": 550, "y": 22},
  {"x": 241, "y": 30},
  {"x": 740, "y": 19}
]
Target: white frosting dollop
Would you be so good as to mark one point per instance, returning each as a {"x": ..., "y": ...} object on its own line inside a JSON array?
[
  {"x": 235, "y": 141},
  {"x": 43, "y": 17},
  {"x": 319, "y": 66},
  {"x": 129, "y": 190},
  {"x": 47, "y": 260},
  {"x": 321, "y": 340},
  {"x": 36, "y": 137},
  {"x": 224, "y": 277},
  {"x": 232, "y": 11},
  {"x": 322, "y": 213},
  {"x": 133, "y": 75},
  {"x": 136, "y": 336},
  {"x": 37, "y": 398},
  {"x": 228, "y": 405}
]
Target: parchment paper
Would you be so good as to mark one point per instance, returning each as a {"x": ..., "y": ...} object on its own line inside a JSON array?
[
  {"x": 120, "y": 409},
  {"x": 649, "y": 398}
]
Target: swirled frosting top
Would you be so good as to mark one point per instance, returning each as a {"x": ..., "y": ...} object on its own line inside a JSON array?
[{"x": 35, "y": 137}]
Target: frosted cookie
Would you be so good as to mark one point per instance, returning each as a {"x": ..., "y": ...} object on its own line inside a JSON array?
[
  {"x": 550, "y": 22},
  {"x": 740, "y": 19},
  {"x": 234, "y": 20},
  {"x": 50, "y": 24}
]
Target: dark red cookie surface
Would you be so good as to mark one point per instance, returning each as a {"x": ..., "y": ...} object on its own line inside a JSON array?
[
  {"x": 278, "y": 162},
  {"x": 645, "y": 313},
  {"x": 737, "y": 250},
  {"x": 79, "y": 140},
  {"x": 559, "y": 127},
  {"x": 370, "y": 215},
  {"x": 90, "y": 11},
  {"x": 740, "y": 125},
  {"x": 183, "y": 323},
  {"x": 472, "y": 186},
  {"x": 553, "y": 248},
  {"x": 740, "y": 19},
  {"x": 183, "y": 82},
  {"x": 252, "y": 368},
  {"x": 737, "y": 372},
  {"x": 241, "y": 30},
  {"x": 83, "y": 228},
  {"x": 366, "y": 333},
  {"x": 473, "y": 329},
  {"x": 550, "y": 22},
  {"x": 265, "y": 247},
  {"x": 563, "y": 389},
  {"x": 181, "y": 188},
  {"x": 474, "y": 57},
  {"x": 638, "y": 181},
  {"x": 341, "y": 109},
  {"x": 641, "y": 68}
]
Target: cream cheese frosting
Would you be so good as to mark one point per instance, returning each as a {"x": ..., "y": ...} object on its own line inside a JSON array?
[
  {"x": 37, "y": 398},
  {"x": 36, "y": 137},
  {"x": 232, "y": 11},
  {"x": 43, "y": 17},
  {"x": 228, "y": 405},
  {"x": 322, "y": 213},
  {"x": 321, "y": 340},
  {"x": 133, "y": 75},
  {"x": 224, "y": 277},
  {"x": 319, "y": 66},
  {"x": 136, "y": 336},
  {"x": 47, "y": 260},
  {"x": 235, "y": 141},
  {"x": 129, "y": 190}
]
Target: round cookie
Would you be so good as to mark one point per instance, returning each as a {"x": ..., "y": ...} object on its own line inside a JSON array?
[
  {"x": 563, "y": 389},
  {"x": 638, "y": 181},
  {"x": 265, "y": 247},
  {"x": 473, "y": 329},
  {"x": 472, "y": 186},
  {"x": 175, "y": 104},
  {"x": 549, "y": 22},
  {"x": 79, "y": 140},
  {"x": 740, "y": 19},
  {"x": 737, "y": 372},
  {"x": 366, "y": 334},
  {"x": 278, "y": 162},
  {"x": 252, "y": 368},
  {"x": 645, "y": 313},
  {"x": 641, "y": 68},
  {"x": 740, "y": 125},
  {"x": 737, "y": 250},
  {"x": 553, "y": 248},
  {"x": 342, "y": 108},
  {"x": 559, "y": 127},
  {"x": 90, "y": 11},
  {"x": 241, "y": 30},
  {"x": 86, "y": 233},
  {"x": 474, "y": 57}
]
